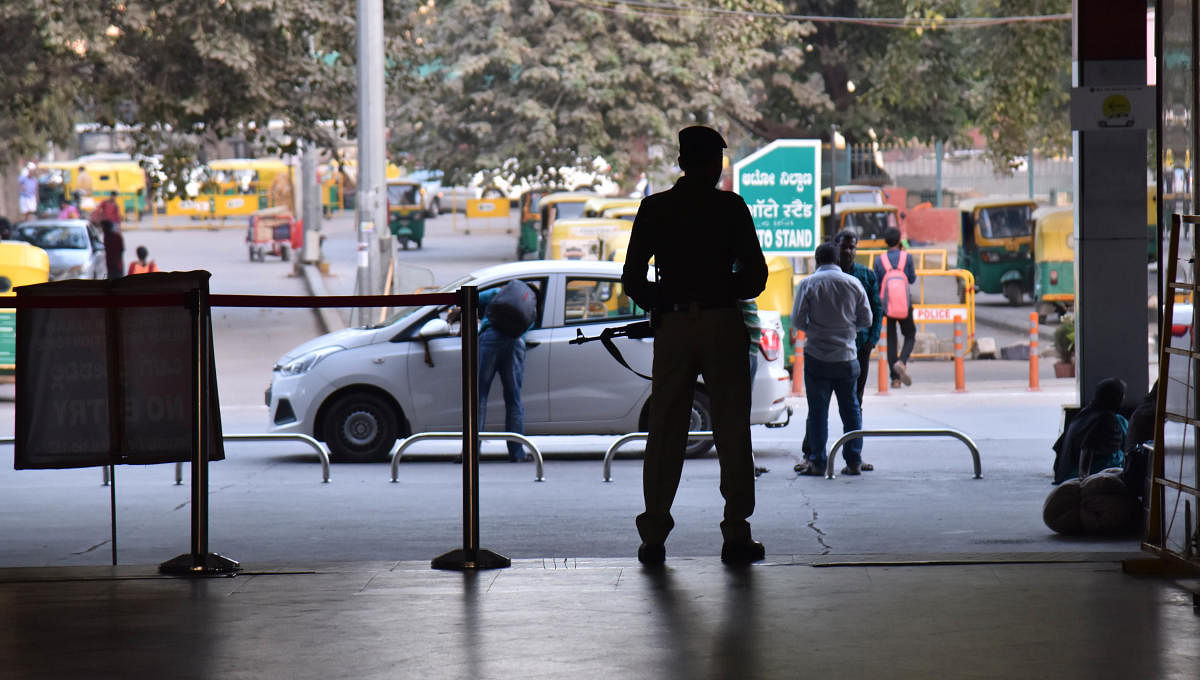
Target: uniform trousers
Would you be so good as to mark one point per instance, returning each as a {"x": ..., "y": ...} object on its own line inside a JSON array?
[{"x": 712, "y": 343}]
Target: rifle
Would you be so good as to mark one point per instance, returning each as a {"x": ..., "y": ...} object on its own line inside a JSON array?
[{"x": 636, "y": 330}]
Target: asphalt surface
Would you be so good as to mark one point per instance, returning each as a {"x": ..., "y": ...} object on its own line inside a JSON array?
[{"x": 268, "y": 503}]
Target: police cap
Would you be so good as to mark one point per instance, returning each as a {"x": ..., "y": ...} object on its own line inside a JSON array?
[{"x": 698, "y": 141}]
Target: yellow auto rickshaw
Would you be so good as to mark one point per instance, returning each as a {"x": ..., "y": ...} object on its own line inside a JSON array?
[
  {"x": 622, "y": 213},
  {"x": 407, "y": 207},
  {"x": 21, "y": 264},
  {"x": 582, "y": 238},
  {"x": 778, "y": 296},
  {"x": 560, "y": 205},
  {"x": 1054, "y": 261},
  {"x": 868, "y": 221},
  {"x": 996, "y": 244}
]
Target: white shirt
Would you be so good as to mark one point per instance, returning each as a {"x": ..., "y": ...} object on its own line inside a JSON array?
[{"x": 830, "y": 307}]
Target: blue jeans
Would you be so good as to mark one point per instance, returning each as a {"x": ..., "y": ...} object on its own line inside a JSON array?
[
  {"x": 822, "y": 379},
  {"x": 500, "y": 354}
]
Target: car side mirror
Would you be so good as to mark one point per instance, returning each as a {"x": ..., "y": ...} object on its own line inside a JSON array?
[{"x": 434, "y": 328}]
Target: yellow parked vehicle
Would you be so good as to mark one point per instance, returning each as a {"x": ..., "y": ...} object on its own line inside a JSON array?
[
  {"x": 126, "y": 177},
  {"x": 869, "y": 221},
  {"x": 1053, "y": 261},
  {"x": 246, "y": 176},
  {"x": 582, "y": 238},
  {"x": 560, "y": 205},
  {"x": 854, "y": 193},
  {"x": 21, "y": 264},
  {"x": 778, "y": 296},
  {"x": 621, "y": 213},
  {"x": 595, "y": 206}
]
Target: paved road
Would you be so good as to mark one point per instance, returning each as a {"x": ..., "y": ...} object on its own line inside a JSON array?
[{"x": 269, "y": 506}]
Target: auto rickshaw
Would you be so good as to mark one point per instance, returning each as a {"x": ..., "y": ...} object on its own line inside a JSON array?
[
  {"x": 527, "y": 240},
  {"x": 854, "y": 193},
  {"x": 778, "y": 295},
  {"x": 581, "y": 238},
  {"x": 560, "y": 205},
  {"x": 21, "y": 264},
  {"x": 273, "y": 231},
  {"x": 868, "y": 221},
  {"x": 996, "y": 245},
  {"x": 1054, "y": 261},
  {"x": 407, "y": 210}
]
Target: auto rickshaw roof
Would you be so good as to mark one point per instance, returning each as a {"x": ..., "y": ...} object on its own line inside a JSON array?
[
  {"x": 246, "y": 163},
  {"x": 592, "y": 222},
  {"x": 843, "y": 208},
  {"x": 599, "y": 204},
  {"x": 567, "y": 197},
  {"x": 973, "y": 204},
  {"x": 621, "y": 211},
  {"x": 853, "y": 189},
  {"x": 1054, "y": 217}
]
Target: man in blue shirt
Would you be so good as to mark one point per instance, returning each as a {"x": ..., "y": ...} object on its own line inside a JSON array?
[
  {"x": 504, "y": 355},
  {"x": 830, "y": 307}
]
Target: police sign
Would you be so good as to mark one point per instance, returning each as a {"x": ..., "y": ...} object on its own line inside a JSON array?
[{"x": 781, "y": 184}]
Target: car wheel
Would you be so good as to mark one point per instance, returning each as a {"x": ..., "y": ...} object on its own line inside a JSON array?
[
  {"x": 361, "y": 426},
  {"x": 700, "y": 419}
]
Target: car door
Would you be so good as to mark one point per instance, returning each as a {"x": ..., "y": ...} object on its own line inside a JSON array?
[
  {"x": 589, "y": 392},
  {"x": 435, "y": 376}
]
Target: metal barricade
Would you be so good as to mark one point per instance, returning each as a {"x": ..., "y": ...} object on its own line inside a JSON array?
[
  {"x": 402, "y": 444},
  {"x": 912, "y": 432},
  {"x": 635, "y": 436}
]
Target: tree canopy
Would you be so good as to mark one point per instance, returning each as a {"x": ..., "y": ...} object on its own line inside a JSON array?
[{"x": 531, "y": 85}]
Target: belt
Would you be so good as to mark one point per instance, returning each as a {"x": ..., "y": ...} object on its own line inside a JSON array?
[{"x": 697, "y": 306}]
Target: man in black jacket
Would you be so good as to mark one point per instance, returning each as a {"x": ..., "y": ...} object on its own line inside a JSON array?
[{"x": 708, "y": 258}]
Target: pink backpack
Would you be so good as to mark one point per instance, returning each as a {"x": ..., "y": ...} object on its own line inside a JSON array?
[{"x": 893, "y": 288}]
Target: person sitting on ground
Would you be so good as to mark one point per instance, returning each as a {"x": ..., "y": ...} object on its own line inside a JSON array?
[
  {"x": 1095, "y": 439},
  {"x": 142, "y": 265}
]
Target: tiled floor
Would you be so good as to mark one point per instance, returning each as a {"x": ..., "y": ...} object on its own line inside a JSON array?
[{"x": 786, "y": 618}]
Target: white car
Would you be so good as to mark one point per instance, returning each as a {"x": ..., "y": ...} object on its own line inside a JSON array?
[
  {"x": 75, "y": 247},
  {"x": 361, "y": 389}
]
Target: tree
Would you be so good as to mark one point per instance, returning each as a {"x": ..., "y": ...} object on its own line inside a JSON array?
[
  {"x": 176, "y": 72},
  {"x": 537, "y": 85}
]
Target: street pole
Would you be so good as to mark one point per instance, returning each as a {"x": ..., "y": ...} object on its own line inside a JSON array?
[
  {"x": 371, "y": 210},
  {"x": 310, "y": 207}
]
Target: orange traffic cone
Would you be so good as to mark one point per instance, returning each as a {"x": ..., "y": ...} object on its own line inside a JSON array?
[{"x": 798, "y": 365}]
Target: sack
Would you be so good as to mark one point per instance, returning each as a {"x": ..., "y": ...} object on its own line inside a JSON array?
[
  {"x": 512, "y": 310},
  {"x": 893, "y": 287},
  {"x": 1061, "y": 511}
]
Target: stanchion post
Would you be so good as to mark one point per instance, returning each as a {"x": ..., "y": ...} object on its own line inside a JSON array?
[
  {"x": 797, "y": 363},
  {"x": 471, "y": 556},
  {"x": 884, "y": 374},
  {"x": 960, "y": 380},
  {"x": 1033, "y": 352},
  {"x": 200, "y": 562}
]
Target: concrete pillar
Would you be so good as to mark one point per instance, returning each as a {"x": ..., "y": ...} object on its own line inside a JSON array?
[
  {"x": 372, "y": 144},
  {"x": 1109, "y": 49}
]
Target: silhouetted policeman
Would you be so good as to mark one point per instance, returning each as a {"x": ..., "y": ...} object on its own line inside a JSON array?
[{"x": 708, "y": 258}]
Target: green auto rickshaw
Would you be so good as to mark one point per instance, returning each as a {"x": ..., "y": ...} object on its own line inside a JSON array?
[
  {"x": 1054, "y": 261},
  {"x": 407, "y": 211},
  {"x": 996, "y": 245},
  {"x": 531, "y": 222}
]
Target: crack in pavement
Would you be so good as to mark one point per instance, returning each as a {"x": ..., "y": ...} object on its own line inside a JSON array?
[{"x": 820, "y": 534}]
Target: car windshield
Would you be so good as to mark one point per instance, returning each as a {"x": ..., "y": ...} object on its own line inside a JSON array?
[
  {"x": 398, "y": 313},
  {"x": 1009, "y": 221},
  {"x": 403, "y": 194},
  {"x": 869, "y": 225},
  {"x": 569, "y": 210},
  {"x": 54, "y": 236}
]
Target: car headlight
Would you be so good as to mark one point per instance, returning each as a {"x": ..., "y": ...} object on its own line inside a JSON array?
[{"x": 305, "y": 362}]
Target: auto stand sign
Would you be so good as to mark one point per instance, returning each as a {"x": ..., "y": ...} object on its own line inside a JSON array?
[{"x": 781, "y": 184}]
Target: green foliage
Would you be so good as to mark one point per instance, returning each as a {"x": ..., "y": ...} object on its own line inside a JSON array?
[{"x": 1064, "y": 338}]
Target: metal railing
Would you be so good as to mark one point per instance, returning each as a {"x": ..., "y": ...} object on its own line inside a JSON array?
[
  {"x": 402, "y": 445},
  {"x": 322, "y": 452},
  {"x": 636, "y": 436},
  {"x": 907, "y": 432}
]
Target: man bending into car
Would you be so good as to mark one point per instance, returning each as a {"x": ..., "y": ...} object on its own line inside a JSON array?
[{"x": 708, "y": 258}]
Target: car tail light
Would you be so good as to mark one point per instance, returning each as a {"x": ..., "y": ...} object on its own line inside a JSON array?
[
  {"x": 1179, "y": 329},
  {"x": 989, "y": 256},
  {"x": 770, "y": 344}
]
